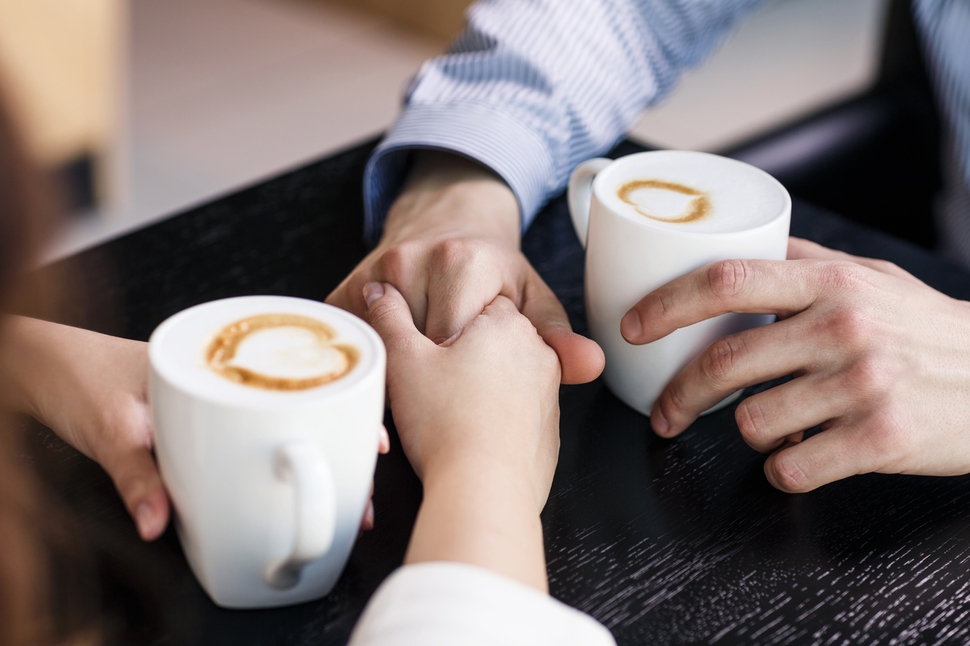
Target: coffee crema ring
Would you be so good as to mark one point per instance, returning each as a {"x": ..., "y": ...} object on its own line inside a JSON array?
[
  {"x": 699, "y": 207},
  {"x": 222, "y": 350}
]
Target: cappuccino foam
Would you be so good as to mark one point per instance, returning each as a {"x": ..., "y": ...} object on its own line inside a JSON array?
[
  {"x": 280, "y": 352},
  {"x": 693, "y": 192},
  {"x": 263, "y": 352}
]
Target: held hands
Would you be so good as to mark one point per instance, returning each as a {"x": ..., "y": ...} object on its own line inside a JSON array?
[
  {"x": 881, "y": 361},
  {"x": 488, "y": 399},
  {"x": 451, "y": 245},
  {"x": 479, "y": 420}
]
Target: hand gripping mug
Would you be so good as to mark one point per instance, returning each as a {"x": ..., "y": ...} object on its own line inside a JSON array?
[
  {"x": 267, "y": 413},
  {"x": 651, "y": 217}
]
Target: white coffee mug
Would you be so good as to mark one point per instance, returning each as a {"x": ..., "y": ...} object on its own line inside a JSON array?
[
  {"x": 269, "y": 486},
  {"x": 650, "y": 217}
]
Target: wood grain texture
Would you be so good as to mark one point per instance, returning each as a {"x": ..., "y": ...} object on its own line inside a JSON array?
[{"x": 665, "y": 541}]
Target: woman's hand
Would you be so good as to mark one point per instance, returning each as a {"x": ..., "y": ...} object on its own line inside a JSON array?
[
  {"x": 478, "y": 418},
  {"x": 92, "y": 390}
]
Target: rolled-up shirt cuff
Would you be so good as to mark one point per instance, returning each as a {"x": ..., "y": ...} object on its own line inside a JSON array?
[
  {"x": 432, "y": 604},
  {"x": 483, "y": 133}
]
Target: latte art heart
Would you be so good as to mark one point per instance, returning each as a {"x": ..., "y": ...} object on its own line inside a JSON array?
[
  {"x": 665, "y": 201},
  {"x": 280, "y": 352}
]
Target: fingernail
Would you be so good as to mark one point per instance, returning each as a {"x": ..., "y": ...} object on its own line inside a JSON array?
[
  {"x": 369, "y": 514},
  {"x": 660, "y": 423},
  {"x": 144, "y": 516},
  {"x": 630, "y": 326},
  {"x": 372, "y": 291}
]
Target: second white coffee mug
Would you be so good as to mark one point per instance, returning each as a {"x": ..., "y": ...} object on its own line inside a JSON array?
[
  {"x": 650, "y": 217},
  {"x": 269, "y": 485}
]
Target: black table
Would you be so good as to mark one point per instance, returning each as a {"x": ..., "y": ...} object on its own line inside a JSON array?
[{"x": 679, "y": 541}]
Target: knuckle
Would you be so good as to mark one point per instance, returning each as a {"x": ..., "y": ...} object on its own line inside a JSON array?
[
  {"x": 396, "y": 263},
  {"x": 789, "y": 476},
  {"x": 381, "y": 313},
  {"x": 752, "y": 423},
  {"x": 851, "y": 327},
  {"x": 719, "y": 361},
  {"x": 727, "y": 278},
  {"x": 664, "y": 299},
  {"x": 454, "y": 253},
  {"x": 869, "y": 380},
  {"x": 131, "y": 483},
  {"x": 673, "y": 402}
]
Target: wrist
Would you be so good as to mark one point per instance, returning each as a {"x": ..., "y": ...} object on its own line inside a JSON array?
[
  {"x": 447, "y": 471},
  {"x": 21, "y": 359},
  {"x": 480, "y": 513},
  {"x": 447, "y": 195}
]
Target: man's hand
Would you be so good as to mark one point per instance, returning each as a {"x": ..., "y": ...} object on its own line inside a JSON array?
[
  {"x": 881, "y": 361},
  {"x": 451, "y": 245}
]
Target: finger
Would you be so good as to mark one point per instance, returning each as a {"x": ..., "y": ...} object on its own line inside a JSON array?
[
  {"x": 367, "y": 520},
  {"x": 349, "y": 294},
  {"x": 383, "y": 441},
  {"x": 800, "y": 249},
  {"x": 388, "y": 313},
  {"x": 137, "y": 480},
  {"x": 733, "y": 362},
  {"x": 781, "y": 414},
  {"x": 753, "y": 286},
  {"x": 464, "y": 281},
  {"x": 399, "y": 266},
  {"x": 834, "y": 454},
  {"x": 581, "y": 359}
]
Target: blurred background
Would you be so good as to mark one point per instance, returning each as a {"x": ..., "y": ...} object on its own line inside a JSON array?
[{"x": 145, "y": 107}]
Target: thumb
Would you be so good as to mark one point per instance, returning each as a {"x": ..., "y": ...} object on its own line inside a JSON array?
[
  {"x": 581, "y": 359},
  {"x": 389, "y": 315}
]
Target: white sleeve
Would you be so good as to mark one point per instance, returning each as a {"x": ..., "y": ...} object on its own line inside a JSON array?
[{"x": 439, "y": 604}]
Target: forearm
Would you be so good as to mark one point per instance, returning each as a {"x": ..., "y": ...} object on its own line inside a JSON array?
[
  {"x": 483, "y": 515},
  {"x": 25, "y": 354}
]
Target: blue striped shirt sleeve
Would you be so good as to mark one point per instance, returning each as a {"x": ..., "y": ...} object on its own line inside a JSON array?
[
  {"x": 531, "y": 88},
  {"x": 945, "y": 29}
]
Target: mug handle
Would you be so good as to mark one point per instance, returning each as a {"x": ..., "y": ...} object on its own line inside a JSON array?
[
  {"x": 302, "y": 465},
  {"x": 580, "y": 194}
]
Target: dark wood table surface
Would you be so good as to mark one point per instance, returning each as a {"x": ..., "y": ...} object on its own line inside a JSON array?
[{"x": 664, "y": 541}]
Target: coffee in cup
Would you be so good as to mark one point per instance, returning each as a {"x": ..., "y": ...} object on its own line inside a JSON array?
[
  {"x": 665, "y": 201},
  {"x": 267, "y": 415},
  {"x": 648, "y": 218},
  {"x": 280, "y": 352}
]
